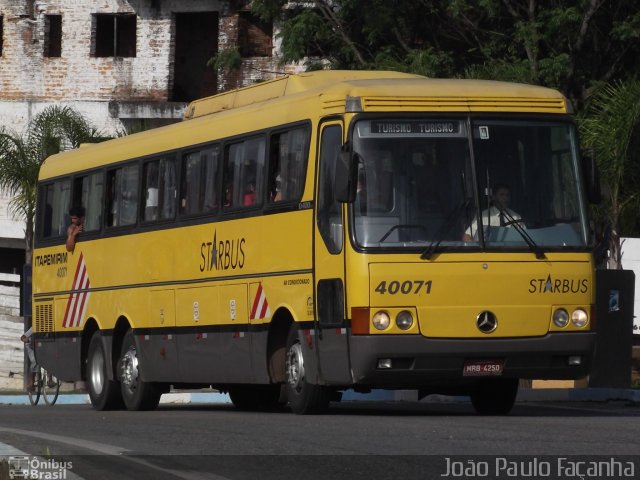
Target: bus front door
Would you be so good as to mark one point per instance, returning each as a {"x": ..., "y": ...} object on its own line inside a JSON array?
[{"x": 330, "y": 324}]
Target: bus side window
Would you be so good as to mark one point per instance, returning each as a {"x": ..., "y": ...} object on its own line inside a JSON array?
[
  {"x": 56, "y": 199},
  {"x": 199, "y": 189},
  {"x": 159, "y": 178},
  {"x": 329, "y": 210},
  {"x": 287, "y": 165},
  {"x": 122, "y": 200},
  {"x": 150, "y": 187},
  {"x": 87, "y": 193},
  {"x": 244, "y": 173},
  {"x": 231, "y": 166}
]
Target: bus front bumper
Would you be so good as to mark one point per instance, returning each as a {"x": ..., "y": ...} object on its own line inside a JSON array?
[{"x": 413, "y": 361}]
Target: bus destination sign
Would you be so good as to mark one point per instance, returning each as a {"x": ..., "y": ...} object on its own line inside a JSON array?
[{"x": 414, "y": 127}]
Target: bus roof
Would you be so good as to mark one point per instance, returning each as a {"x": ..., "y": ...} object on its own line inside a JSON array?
[
  {"x": 286, "y": 85},
  {"x": 299, "y": 96}
]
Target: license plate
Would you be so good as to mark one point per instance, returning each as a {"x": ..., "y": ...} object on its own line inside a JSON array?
[{"x": 482, "y": 368}]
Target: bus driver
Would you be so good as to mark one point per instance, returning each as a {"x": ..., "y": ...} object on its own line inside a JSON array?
[{"x": 500, "y": 200}]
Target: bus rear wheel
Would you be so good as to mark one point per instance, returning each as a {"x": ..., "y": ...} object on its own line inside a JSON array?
[
  {"x": 103, "y": 393},
  {"x": 136, "y": 393},
  {"x": 494, "y": 396},
  {"x": 303, "y": 397}
]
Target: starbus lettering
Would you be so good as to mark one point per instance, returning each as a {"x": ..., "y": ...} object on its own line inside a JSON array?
[
  {"x": 558, "y": 285},
  {"x": 222, "y": 254}
]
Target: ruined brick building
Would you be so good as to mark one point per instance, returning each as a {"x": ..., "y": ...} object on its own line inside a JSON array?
[{"x": 125, "y": 65}]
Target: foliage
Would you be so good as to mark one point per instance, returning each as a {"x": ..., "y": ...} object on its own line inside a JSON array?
[
  {"x": 569, "y": 45},
  {"x": 610, "y": 128},
  {"x": 229, "y": 59},
  {"x": 52, "y": 130},
  {"x": 577, "y": 47}
]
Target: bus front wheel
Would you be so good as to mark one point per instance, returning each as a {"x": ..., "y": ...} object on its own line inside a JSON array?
[
  {"x": 103, "y": 393},
  {"x": 494, "y": 396},
  {"x": 304, "y": 397},
  {"x": 136, "y": 393}
]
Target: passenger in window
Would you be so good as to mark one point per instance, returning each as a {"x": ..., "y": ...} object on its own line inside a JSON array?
[
  {"x": 228, "y": 196},
  {"x": 76, "y": 227},
  {"x": 151, "y": 207},
  {"x": 276, "y": 195},
  {"x": 249, "y": 197},
  {"x": 498, "y": 215}
]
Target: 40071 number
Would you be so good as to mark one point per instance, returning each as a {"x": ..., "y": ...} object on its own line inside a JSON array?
[{"x": 404, "y": 287}]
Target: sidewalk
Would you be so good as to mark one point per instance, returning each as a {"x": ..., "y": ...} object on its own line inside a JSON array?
[{"x": 524, "y": 395}]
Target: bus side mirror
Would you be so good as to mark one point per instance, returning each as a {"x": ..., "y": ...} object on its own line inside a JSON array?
[
  {"x": 345, "y": 182},
  {"x": 592, "y": 179}
]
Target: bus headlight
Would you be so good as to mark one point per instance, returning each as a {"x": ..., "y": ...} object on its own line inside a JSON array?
[
  {"x": 579, "y": 318},
  {"x": 381, "y": 320},
  {"x": 404, "y": 320},
  {"x": 560, "y": 318}
]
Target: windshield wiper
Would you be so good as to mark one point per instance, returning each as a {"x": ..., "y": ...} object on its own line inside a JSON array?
[
  {"x": 516, "y": 223},
  {"x": 444, "y": 229}
]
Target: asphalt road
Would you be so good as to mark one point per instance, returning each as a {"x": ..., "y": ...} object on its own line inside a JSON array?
[{"x": 357, "y": 440}]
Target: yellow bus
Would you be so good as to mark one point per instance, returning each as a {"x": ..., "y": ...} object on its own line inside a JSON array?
[{"x": 322, "y": 232}]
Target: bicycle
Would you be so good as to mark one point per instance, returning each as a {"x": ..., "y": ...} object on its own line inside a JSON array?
[{"x": 45, "y": 384}]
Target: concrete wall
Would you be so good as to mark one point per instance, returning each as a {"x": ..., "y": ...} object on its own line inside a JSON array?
[
  {"x": 30, "y": 81},
  {"x": 10, "y": 228},
  {"x": 115, "y": 94},
  {"x": 76, "y": 74},
  {"x": 631, "y": 261},
  {"x": 11, "y": 327}
]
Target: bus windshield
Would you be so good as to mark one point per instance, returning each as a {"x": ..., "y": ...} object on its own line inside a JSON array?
[{"x": 468, "y": 183}]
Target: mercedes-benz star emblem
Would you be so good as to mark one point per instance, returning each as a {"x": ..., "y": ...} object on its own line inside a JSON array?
[{"x": 486, "y": 321}]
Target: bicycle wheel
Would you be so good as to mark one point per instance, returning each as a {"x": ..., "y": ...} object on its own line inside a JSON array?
[
  {"x": 34, "y": 393},
  {"x": 50, "y": 387}
]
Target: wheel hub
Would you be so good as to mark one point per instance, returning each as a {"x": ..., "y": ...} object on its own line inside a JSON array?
[
  {"x": 129, "y": 369},
  {"x": 96, "y": 373},
  {"x": 295, "y": 366}
]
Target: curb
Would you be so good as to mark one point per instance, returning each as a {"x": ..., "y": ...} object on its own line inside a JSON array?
[
  {"x": 578, "y": 395},
  {"x": 83, "y": 398},
  {"x": 524, "y": 395}
]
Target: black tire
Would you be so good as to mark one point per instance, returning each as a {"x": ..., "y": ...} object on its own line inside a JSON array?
[
  {"x": 36, "y": 390},
  {"x": 136, "y": 393},
  {"x": 103, "y": 393},
  {"x": 255, "y": 397},
  {"x": 304, "y": 398},
  {"x": 50, "y": 388},
  {"x": 495, "y": 396}
]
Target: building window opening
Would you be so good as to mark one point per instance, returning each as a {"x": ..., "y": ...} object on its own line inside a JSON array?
[
  {"x": 254, "y": 36},
  {"x": 195, "y": 42},
  {"x": 1, "y": 32},
  {"x": 53, "y": 36},
  {"x": 114, "y": 35}
]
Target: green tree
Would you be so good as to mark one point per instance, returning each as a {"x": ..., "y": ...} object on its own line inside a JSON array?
[
  {"x": 49, "y": 132},
  {"x": 610, "y": 128},
  {"x": 573, "y": 46}
]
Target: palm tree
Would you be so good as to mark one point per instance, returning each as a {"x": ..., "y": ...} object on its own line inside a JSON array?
[
  {"x": 52, "y": 130},
  {"x": 611, "y": 130}
]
